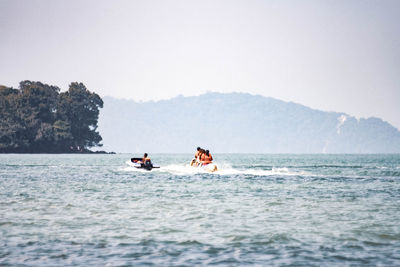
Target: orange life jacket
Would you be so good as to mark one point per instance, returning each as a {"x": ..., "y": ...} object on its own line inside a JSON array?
[
  {"x": 207, "y": 159},
  {"x": 199, "y": 157}
]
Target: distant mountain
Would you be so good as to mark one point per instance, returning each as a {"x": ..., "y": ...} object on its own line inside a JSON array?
[{"x": 236, "y": 123}]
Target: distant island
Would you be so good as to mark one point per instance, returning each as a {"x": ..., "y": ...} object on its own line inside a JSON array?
[
  {"x": 239, "y": 123},
  {"x": 37, "y": 118}
]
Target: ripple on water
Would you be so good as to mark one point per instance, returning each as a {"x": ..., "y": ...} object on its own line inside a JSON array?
[{"x": 68, "y": 210}]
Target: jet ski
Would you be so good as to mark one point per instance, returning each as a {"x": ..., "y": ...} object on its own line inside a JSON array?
[{"x": 137, "y": 163}]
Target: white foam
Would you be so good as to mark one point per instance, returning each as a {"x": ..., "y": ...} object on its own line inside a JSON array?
[
  {"x": 223, "y": 169},
  {"x": 256, "y": 172},
  {"x": 133, "y": 169},
  {"x": 182, "y": 169}
]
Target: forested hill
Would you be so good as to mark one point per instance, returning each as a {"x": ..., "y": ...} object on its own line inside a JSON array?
[
  {"x": 239, "y": 123},
  {"x": 37, "y": 118}
]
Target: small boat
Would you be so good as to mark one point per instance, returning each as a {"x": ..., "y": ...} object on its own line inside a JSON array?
[{"x": 137, "y": 163}]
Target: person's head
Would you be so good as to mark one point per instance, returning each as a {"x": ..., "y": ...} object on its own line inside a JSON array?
[
  {"x": 145, "y": 155},
  {"x": 207, "y": 152},
  {"x": 198, "y": 148},
  {"x": 202, "y": 151}
]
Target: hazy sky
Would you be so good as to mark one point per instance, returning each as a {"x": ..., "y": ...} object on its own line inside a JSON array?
[{"x": 330, "y": 55}]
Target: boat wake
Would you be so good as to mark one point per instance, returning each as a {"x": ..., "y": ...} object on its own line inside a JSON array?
[{"x": 223, "y": 169}]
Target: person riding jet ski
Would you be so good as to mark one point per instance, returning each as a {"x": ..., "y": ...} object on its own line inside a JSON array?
[
  {"x": 143, "y": 163},
  {"x": 146, "y": 162}
]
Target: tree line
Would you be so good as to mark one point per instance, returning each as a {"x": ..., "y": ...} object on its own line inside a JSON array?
[{"x": 38, "y": 118}]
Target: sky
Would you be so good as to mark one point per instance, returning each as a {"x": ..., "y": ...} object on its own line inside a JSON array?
[{"x": 338, "y": 55}]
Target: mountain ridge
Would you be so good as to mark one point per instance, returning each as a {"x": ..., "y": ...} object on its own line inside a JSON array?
[{"x": 239, "y": 123}]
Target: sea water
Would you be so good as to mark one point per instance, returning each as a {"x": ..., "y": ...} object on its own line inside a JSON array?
[{"x": 258, "y": 210}]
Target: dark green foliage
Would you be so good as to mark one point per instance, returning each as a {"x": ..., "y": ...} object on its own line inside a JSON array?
[{"x": 37, "y": 118}]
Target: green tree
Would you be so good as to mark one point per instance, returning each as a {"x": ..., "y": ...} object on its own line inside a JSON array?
[
  {"x": 12, "y": 129},
  {"x": 36, "y": 118},
  {"x": 79, "y": 108},
  {"x": 37, "y": 107}
]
